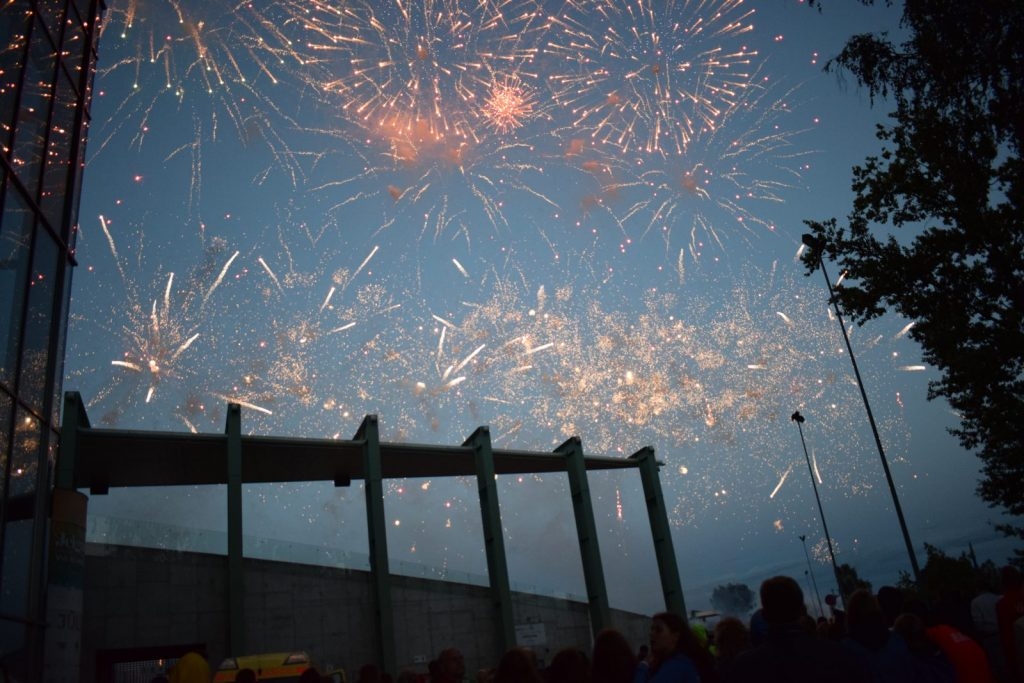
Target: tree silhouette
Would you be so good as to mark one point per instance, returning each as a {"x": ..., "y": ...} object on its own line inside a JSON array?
[
  {"x": 733, "y": 598},
  {"x": 935, "y": 232}
]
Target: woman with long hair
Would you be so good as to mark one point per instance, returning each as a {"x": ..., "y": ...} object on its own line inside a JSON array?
[
  {"x": 613, "y": 661},
  {"x": 676, "y": 655}
]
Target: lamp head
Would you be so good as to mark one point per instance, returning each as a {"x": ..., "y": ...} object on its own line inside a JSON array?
[
  {"x": 797, "y": 417},
  {"x": 812, "y": 242}
]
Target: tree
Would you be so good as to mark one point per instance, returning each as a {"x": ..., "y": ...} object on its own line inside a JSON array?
[
  {"x": 849, "y": 581},
  {"x": 935, "y": 232},
  {"x": 733, "y": 598},
  {"x": 944, "y": 576}
]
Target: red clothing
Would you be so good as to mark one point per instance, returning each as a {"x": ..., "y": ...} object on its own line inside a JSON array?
[
  {"x": 1009, "y": 609},
  {"x": 966, "y": 656}
]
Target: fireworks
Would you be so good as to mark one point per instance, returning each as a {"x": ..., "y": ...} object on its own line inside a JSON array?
[
  {"x": 509, "y": 104},
  {"x": 647, "y": 76},
  {"x": 462, "y": 212}
]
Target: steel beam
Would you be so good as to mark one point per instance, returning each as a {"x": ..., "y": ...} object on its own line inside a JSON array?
[
  {"x": 369, "y": 436},
  {"x": 73, "y": 420},
  {"x": 586, "y": 531},
  {"x": 494, "y": 539},
  {"x": 668, "y": 570},
  {"x": 236, "y": 577}
]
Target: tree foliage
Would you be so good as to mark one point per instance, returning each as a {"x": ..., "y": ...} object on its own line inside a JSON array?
[
  {"x": 943, "y": 576},
  {"x": 935, "y": 229},
  {"x": 849, "y": 580},
  {"x": 733, "y": 598}
]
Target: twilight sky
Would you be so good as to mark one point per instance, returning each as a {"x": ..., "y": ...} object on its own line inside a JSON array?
[{"x": 553, "y": 218}]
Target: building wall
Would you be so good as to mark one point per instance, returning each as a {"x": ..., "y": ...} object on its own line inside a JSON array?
[
  {"x": 143, "y": 598},
  {"x": 46, "y": 66}
]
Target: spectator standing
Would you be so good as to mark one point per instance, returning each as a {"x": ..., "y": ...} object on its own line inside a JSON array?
[
  {"x": 883, "y": 654},
  {"x": 518, "y": 665},
  {"x": 451, "y": 667},
  {"x": 789, "y": 654},
  {"x": 676, "y": 654},
  {"x": 191, "y": 668},
  {"x": 569, "y": 665},
  {"x": 1009, "y": 609},
  {"x": 613, "y": 659},
  {"x": 731, "y": 639}
]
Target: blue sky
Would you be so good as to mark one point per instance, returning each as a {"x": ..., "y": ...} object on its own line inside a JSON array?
[{"x": 554, "y": 219}]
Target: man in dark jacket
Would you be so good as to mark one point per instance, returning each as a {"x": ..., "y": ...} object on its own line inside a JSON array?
[{"x": 789, "y": 652}]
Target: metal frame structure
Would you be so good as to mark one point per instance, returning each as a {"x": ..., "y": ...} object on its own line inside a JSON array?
[
  {"x": 48, "y": 65},
  {"x": 97, "y": 459}
]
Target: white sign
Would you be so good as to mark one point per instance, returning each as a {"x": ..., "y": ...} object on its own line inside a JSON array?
[{"x": 531, "y": 635}]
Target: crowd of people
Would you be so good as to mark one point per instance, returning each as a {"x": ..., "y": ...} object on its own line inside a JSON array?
[{"x": 875, "y": 638}]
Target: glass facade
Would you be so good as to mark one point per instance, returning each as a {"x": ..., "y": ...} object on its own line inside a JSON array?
[{"x": 46, "y": 73}]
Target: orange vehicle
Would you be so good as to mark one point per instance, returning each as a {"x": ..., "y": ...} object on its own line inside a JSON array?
[{"x": 283, "y": 667}]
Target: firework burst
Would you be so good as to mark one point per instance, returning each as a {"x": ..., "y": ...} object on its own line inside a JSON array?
[{"x": 646, "y": 76}]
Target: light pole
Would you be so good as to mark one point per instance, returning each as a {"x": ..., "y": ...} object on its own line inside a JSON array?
[
  {"x": 810, "y": 572},
  {"x": 818, "y": 245},
  {"x": 799, "y": 419}
]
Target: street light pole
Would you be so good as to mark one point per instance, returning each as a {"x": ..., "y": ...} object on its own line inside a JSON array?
[
  {"x": 799, "y": 419},
  {"x": 810, "y": 571},
  {"x": 818, "y": 245}
]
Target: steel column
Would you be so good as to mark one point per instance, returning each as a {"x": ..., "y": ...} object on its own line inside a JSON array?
[
  {"x": 586, "y": 531},
  {"x": 494, "y": 538},
  {"x": 668, "y": 570},
  {"x": 369, "y": 434},
  {"x": 236, "y": 578},
  {"x": 73, "y": 419}
]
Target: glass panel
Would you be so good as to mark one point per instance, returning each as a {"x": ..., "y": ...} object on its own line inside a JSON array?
[
  {"x": 17, "y": 548},
  {"x": 14, "y": 578},
  {"x": 25, "y": 454},
  {"x": 14, "y": 23},
  {"x": 52, "y": 14},
  {"x": 15, "y": 233},
  {"x": 55, "y": 176},
  {"x": 29, "y": 136},
  {"x": 34, "y": 384},
  {"x": 5, "y": 438},
  {"x": 58, "y": 374},
  {"x": 74, "y": 50},
  {"x": 81, "y": 57},
  {"x": 13, "y": 636}
]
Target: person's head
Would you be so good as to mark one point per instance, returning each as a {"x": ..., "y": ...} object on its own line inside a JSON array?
[
  {"x": 862, "y": 607},
  {"x": 613, "y": 660},
  {"x": 1010, "y": 577},
  {"x": 667, "y": 632},
  {"x": 518, "y": 665},
  {"x": 369, "y": 673},
  {"x": 310, "y": 675},
  {"x": 191, "y": 668},
  {"x": 569, "y": 665},
  {"x": 451, "y": 664},
  {"x": 731, "y": 638},
  {"x": 782, "y": 601},
  {"x": 245, "y": 676},
  {"x": 912, "y": 629},
  {"x": 890, "y": 599},
  {"x": 671, "y": 634}
]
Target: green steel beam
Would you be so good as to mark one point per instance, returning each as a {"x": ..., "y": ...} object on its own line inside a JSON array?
[
  {"x": 236, "y": 578},
  {"x": 586, "y": 530},
  {"x": 494, "y": 539},
  {"x": 369, "y": 435},
  {"x": 73, "y": 420},
  {"x": 671, "y": 586}
]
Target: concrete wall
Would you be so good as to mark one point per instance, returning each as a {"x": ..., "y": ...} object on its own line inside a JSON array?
[{"x": 141, "y": 597}]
